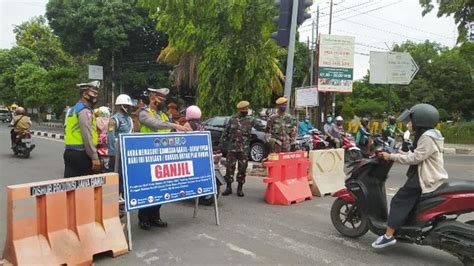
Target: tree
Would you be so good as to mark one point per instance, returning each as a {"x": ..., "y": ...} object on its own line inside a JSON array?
[
  {"x": 30, "y": 84},
  {"x": 232, "y": 42},
  {"x": 120, "y": 30},
  {"x": 462, "y": 11},
  {"x": 10, "y": 60},
  {"x": 38, "y": 37}
]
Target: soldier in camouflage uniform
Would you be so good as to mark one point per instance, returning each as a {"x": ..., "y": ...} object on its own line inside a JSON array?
[
  {"x": 236, "y": 138},
  {"x": 282, "y": 128}
]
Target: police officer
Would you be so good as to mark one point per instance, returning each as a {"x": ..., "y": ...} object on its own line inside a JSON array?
[
  {"x": 281, "y": 127},
  {"x": 236, "y": 138},
  {"x": 153, "y": 119},
  {"x": 81, "y": 138}
]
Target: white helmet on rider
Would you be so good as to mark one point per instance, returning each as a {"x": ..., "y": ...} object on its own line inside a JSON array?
[
  {"x": 123, "y": 99},
  {"x": 339, "y": 118}
]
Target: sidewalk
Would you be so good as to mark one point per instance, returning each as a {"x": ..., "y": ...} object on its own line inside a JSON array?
[{"x": 55, "y": 130}]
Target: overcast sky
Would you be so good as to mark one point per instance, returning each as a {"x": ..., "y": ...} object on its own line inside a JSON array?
[{"x": 372, "y": 22}]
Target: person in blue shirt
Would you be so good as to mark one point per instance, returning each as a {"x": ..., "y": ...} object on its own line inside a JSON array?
[{"x": 305, "y": 126}]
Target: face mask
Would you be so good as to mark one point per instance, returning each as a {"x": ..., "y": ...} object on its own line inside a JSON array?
[
  {"x": 282, "y": 108},
  {"x": 329, "y": 120},
  {"x": 306, "y": 120},
  {"x": 127, "y": 109},
  {"x": 244, "y": 113},
  {"x": 91, "y": 99}
]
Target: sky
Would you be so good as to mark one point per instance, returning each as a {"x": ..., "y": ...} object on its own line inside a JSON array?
[{"x": 375, "y": 24}]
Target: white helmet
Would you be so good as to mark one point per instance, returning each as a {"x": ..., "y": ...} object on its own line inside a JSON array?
[
  {"x": 339, "y": 118},
  {"x": 123, "y": 99}
]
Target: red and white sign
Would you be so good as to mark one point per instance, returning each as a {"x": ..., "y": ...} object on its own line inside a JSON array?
[{"x": 162, "y": 171}]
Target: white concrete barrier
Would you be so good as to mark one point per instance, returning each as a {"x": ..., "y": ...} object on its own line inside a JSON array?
[{"x": 326, "y": 171}]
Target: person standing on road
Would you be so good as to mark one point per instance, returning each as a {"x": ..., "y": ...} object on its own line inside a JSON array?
[
  {"x": 81, "y": 137},
  {"x": 236, "y": 140},
  {"x": 281, "y": 127},
  {"x": 153, "y": 119}
]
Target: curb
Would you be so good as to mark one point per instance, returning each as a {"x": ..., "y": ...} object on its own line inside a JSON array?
[
  {"x": 47, "y": 134},
  {"x": 51, "y": 124}
]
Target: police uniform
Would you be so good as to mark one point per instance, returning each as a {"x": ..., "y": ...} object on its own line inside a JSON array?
[
  {"x": 152, "y": 121},
  {"x": 236, "y": 140},
  {"x": 80, "y": 138},
  {"x": 281, "y": 128}
]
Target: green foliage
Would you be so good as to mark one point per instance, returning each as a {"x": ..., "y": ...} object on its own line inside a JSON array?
[
  {"x": 443, "y": 115},
  {"x": 459, "y": 133},
  {"x": 462, "y": 11},
  {"x": 369, "y": 107},
  {"x": 231, "y": 40},
  {"x": 30, "y": 84}
]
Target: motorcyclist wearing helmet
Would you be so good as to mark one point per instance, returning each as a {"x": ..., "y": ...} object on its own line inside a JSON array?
[
  {"x": 363, "y": 136},
  {"x": 390, "y": 131},
  {"x": 193, "y": 119},
  {"x": 426, "y": 172},
  {"x": 336, "y": 131},
  {"x": 305, "y": 126},
  {"x": 21, "y": 123}
]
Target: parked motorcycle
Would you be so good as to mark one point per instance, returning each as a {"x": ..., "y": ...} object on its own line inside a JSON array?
[
  {"x": 352, "y": 153},
  {"x": 362, "y": 206},
  {"x": 219, "y": 172},
  {"x": 23, "y": 145}
]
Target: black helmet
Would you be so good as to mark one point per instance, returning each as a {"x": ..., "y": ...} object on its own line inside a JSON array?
[
  {"x": 421, "y": 115},
  {"x": 365, "y": 121},
  {"x": 391, "y": 119}
]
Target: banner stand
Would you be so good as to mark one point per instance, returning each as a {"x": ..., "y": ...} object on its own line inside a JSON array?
[
  {"x": 121, "y": 200},
  {"x": 196, "y": 207},
  {"x": 216, "y": 209}
]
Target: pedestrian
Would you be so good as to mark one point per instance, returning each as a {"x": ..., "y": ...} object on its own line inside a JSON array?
[
  {"x": 81, "y": 137},
  {"x": 120, "y": 123},
  {"x": 172, "y": 112},
  {"x": 102, "y": 115},
  {"x": 236, "y": 140},
  {"x": 153, "y": 119},
  {"x": 281, "y": 127},
  {"x": 425, "y": 173}
]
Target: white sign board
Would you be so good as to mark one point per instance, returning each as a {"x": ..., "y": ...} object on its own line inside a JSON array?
[
  {"x": 307, "y": 96},
  {"x": 96, "y": 72},
  {"x": 392, "y": 68},
  {"x": 336, "y": 63}
]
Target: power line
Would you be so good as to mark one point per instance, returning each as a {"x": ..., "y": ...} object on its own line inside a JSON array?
[{"x": 398, "y": 23}]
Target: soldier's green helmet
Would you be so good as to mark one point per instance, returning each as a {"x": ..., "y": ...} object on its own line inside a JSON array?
[{"x": 421, "y": 115}]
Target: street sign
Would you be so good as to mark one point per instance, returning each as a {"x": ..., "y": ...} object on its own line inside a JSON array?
[
  {"x": 336, "y": 63},
  {"x": 306, "y": 97},
  {"x": 96, "y": 72},
  {"x": 392, "y": 68},
  {"x": 163, "y": 168}
]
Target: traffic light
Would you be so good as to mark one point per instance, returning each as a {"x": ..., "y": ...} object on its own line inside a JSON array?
[
  {"x": 302, "y": 6},
  {"x": 283, "y": 21}
]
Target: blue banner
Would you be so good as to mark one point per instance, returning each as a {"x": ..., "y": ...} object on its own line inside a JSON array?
[{"x": 162, "y": 168}]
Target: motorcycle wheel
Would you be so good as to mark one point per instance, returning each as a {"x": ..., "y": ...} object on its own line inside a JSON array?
[
  {"x": 348, "y": 219},
  {"x": 26, "y": 154}
]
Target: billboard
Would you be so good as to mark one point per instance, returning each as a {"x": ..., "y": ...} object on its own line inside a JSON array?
[{"x": 336, "y": 63}]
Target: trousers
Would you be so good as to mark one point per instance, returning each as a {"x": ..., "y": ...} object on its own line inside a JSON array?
[
  {"x": 76, "y": 163},
  {"x": 404, "y": 202}
]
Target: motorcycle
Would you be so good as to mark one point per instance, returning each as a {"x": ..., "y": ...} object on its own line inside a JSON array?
[
  {"x": 219, "y": 172},
  {"x": 319, "y": 142},
  {"x": 23, "y": 145},
  {"x": 352, "y": 153},
  {"x": 304, "y": 143},
  {"x": 362, "y": 206}
]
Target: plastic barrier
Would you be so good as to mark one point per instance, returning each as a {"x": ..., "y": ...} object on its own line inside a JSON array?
[
  {"x": 326, "y": 171},
  {"x": 287, "y": 178},
  {"x": 64, "y": 221}
]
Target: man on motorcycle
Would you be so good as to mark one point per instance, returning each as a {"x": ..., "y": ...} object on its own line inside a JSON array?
[
  {"x": 362, "y": 136},
  {"x": 335, "y": 131},
  {"x": 426, "y": 172},
  {"x": 390, "y": 131},
  {"x": 305, "y": 126},
  {"x": 21, "y": 123}
]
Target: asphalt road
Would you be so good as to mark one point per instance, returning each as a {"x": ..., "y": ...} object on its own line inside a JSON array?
[{"x": 251, "y": 231}]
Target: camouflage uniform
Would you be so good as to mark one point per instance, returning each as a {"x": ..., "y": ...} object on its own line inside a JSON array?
[
  {"x": 236, "y": 139},
  {"x": 282, "y": 131}
]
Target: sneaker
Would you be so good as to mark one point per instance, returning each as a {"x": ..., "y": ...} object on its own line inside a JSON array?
[
  {"x": 384, "y": 241},
  {"x": 144, "y": 225}
]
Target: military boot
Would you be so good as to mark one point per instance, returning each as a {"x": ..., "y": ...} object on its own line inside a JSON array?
[
  {"x": 228, "y": 190},
  {"x": 239, "y": 190}
]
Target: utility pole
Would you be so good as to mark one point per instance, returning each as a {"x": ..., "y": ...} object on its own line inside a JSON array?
[
  {"x": 330, "y": 28},
  {"x": 113, "y": 82},
  {"x": 291, "y": 51}
]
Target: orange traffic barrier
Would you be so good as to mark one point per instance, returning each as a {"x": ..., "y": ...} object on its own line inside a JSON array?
[
  {"x": 287, "y": 178},
  {"x": 65, "y": 221}
]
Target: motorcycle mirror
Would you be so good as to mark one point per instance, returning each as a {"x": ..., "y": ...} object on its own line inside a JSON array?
[{"x": 406, "y": 135}]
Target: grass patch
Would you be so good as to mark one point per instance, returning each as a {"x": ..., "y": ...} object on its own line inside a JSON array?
[{"x": 459, "y": 133}]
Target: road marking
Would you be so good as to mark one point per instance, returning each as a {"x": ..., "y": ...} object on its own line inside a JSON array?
[
  {"x": 51, "y": 139},
  {"x": 151, "y": 259},
  {"x": 146, "y": 252},
  {"x": 231, "y": 246}
]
